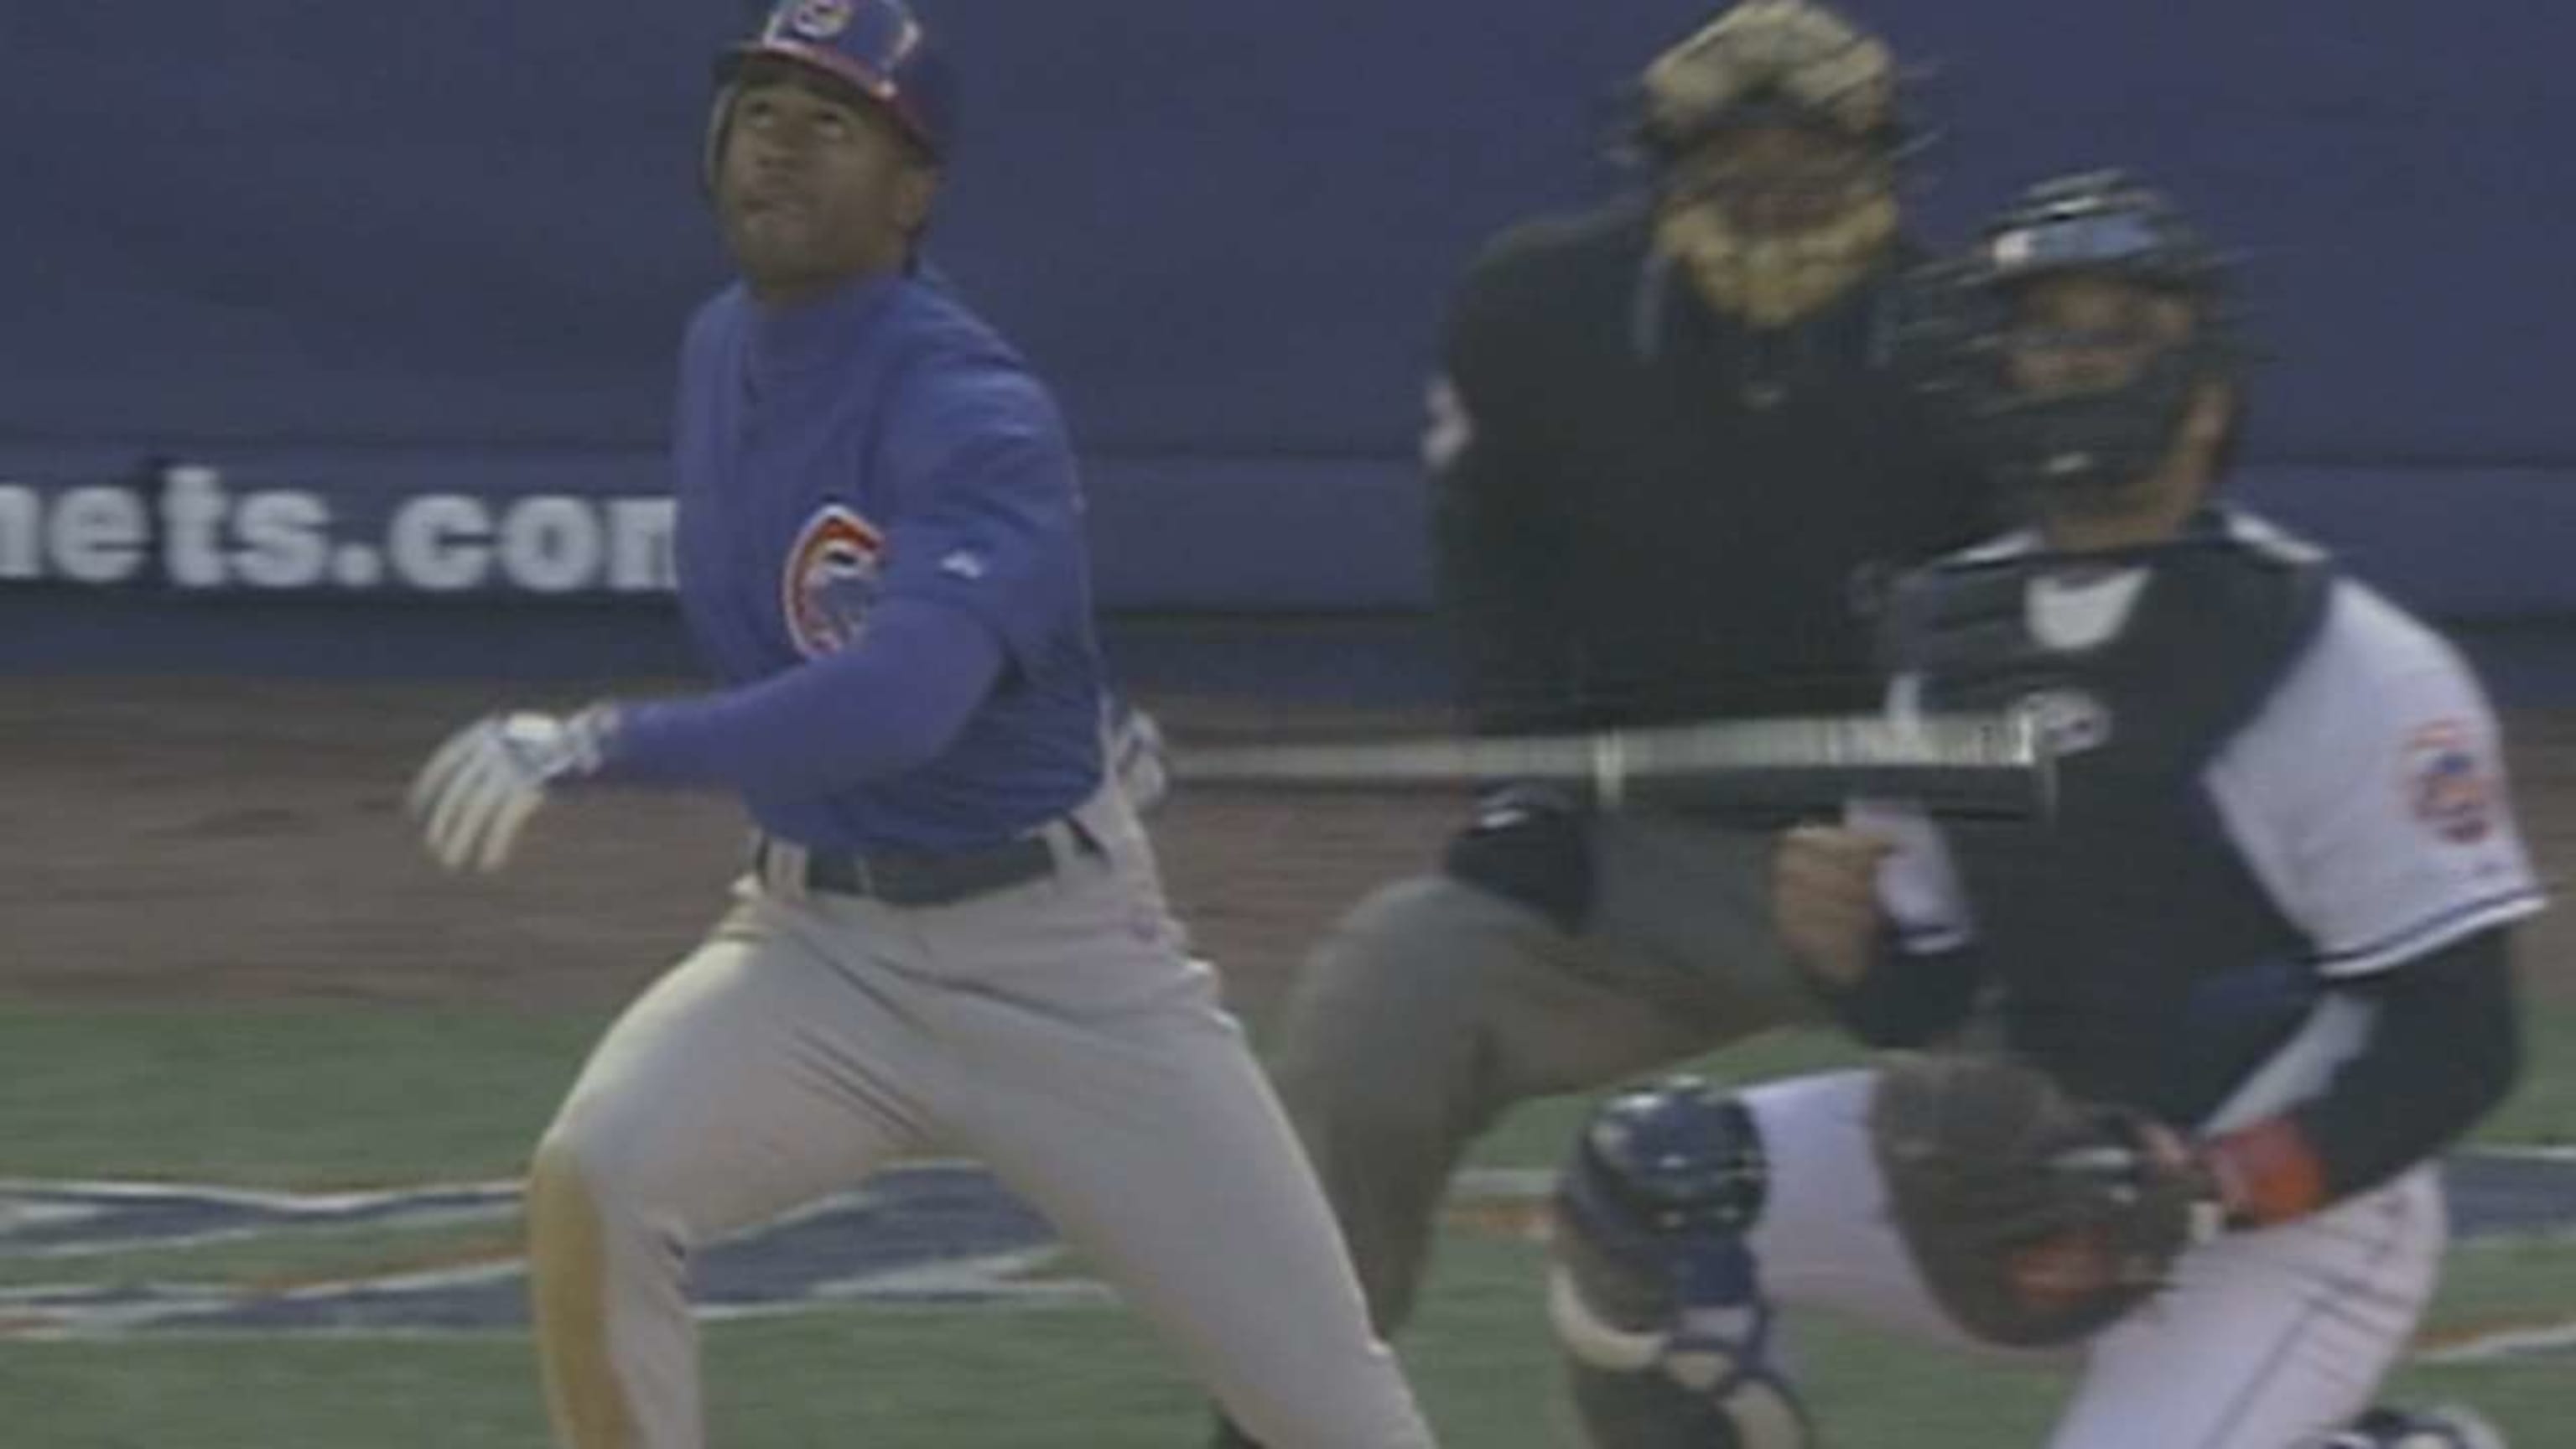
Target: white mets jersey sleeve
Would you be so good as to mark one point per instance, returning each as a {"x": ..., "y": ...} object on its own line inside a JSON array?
[{"x": 2368, "y": 795}]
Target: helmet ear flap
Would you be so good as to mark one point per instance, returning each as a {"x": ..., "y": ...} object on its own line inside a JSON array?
[{"x": 719, "y": 130}]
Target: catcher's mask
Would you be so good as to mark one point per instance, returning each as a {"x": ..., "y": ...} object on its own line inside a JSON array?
[
  {"x": 1653, "y": 1293},
  {"x": 2099, "y": 320},
  {"x": 1773, "y": 134}
]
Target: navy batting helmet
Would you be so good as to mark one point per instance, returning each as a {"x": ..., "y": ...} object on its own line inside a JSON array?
[{"x": 877, "y": 48}]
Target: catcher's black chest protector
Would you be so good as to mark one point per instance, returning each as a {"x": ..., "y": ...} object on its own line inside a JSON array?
[{"x": 2140, "y": 959}]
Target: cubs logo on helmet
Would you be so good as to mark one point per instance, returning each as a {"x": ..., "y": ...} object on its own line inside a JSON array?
[{"x": 819, "y": 19}]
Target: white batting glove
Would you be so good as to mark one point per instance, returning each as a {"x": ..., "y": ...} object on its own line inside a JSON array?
[
  {"x": 478, "y": 791},
  {"x": 1139, "y": 757}
]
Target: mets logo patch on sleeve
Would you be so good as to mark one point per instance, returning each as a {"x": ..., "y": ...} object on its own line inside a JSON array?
[
  {"x": 2448, "y": 785},
  {"x": 834, "y": 572}
]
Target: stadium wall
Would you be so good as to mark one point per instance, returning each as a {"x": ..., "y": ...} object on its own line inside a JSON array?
[{"x": 335, "y": 326}]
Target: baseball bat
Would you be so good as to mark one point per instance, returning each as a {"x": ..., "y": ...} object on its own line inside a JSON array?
[{"x": 1958, "y": 766}]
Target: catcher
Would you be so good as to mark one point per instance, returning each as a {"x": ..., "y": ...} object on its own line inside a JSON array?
[{"x": 2206, "y": 1031}]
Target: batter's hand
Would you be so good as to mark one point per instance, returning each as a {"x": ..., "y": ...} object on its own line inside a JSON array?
[
  {"x": 1824, "y": 897},
  {"x": 477, "y": 792},
  {"x": 1138, "y": 756}
]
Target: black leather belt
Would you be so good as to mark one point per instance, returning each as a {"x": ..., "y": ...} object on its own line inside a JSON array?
[{"x": 920, "y": 877}]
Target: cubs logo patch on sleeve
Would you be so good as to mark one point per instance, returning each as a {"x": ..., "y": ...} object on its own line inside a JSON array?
[
  {"x": 834, "y": 572},
  {"x": 2448, "y": 785}
]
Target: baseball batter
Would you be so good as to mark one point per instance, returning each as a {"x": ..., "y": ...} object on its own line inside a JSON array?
[
  {"x": 2266, "y": 939},
  {"x": 952, "y": 936}
]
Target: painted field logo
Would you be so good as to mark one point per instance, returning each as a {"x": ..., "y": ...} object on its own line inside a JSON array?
[
  {"x": 106, "y": 1260},
  {"x": 930, "y": 1233}
]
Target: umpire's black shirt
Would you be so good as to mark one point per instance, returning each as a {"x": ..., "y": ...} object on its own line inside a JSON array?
[{"x": 1646, "y": 512}]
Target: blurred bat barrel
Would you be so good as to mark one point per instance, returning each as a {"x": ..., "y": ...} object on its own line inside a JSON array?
[{"x": 1958, "y": 766}]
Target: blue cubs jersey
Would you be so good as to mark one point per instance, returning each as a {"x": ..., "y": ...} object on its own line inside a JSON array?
[{"x": 884, "y": 443}]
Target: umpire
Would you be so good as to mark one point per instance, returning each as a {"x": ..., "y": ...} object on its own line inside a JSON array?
[{"x": 1674, "y": 440}]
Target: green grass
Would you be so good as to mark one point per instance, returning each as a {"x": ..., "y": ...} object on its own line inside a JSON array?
[
  {"x": 2503, "y": 1281},
  {"x": 2543, "y": 1111},
  {"x": 330, "y": 1097},
  {"x": 279, "y": 1097},
  {"x": 304, "y": 1255},
  {"x": 351, "y": 1096},
  {"x": 1011, "y": 1380}
]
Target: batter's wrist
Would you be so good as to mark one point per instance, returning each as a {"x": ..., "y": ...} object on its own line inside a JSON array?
[{"x": 590, "y": 744}]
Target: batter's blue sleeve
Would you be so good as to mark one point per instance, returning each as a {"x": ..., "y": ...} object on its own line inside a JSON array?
[
  {"x": 988, "y": 518},
  {"x": 890, "y": 703}
]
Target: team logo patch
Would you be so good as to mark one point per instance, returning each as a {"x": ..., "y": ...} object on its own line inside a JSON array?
[
  {"x": 820, "y": 19},
  {"x": 2447, "y": 783},
  {"x": 2068, "y": 721},
  {"x": 834, "y": 573}
]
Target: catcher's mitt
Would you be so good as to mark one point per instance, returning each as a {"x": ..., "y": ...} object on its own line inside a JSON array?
[{"x": 2035, "y": 1219}]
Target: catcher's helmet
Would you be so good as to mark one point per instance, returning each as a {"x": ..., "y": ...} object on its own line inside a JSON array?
[
  {"x": 2097, "y": 223},
  {"x": 877, "y": 48}
]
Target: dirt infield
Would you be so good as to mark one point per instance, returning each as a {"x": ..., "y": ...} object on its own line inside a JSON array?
[{"x": 188, "y": 840}]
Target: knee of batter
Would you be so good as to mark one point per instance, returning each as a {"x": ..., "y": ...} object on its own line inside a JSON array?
[{"x": 568, "y": 1285}]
